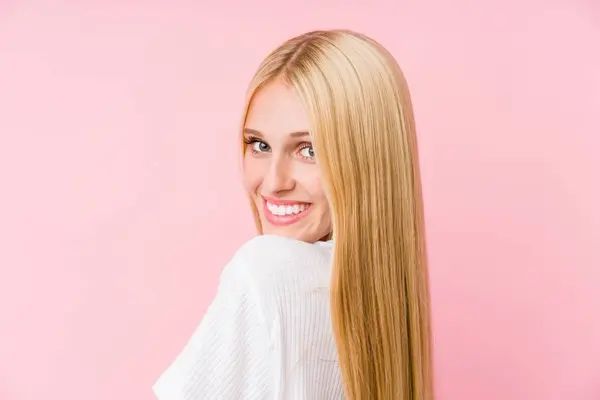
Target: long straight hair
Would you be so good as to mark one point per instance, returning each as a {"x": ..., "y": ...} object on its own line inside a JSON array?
[{"x": 363, "y": 133}]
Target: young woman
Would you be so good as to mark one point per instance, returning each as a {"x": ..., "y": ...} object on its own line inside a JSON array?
[{"x": 331, "y": 299}]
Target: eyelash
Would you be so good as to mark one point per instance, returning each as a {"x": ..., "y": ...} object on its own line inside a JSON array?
[
  {"x": 305, "y": 145},
  {"x": 251, "y": 140}
]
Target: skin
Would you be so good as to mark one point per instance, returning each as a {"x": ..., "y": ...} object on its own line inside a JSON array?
[{"x": 280, "y": 167}]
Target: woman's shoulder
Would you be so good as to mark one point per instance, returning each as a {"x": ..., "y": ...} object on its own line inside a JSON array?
[
  {"x": 267, "y": 259},
  {"x": 275, "y": 248}
]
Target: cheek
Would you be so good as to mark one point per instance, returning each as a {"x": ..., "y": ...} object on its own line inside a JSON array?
[
  {"x": 252, "y": 175},
  {"x": 315, "y": 188}
]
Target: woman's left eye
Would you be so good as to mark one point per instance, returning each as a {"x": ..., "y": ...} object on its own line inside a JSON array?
[{"x": 307, "y": 152}]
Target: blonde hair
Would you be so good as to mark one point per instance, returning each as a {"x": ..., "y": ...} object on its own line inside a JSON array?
[{"x": 363, "y": 133}]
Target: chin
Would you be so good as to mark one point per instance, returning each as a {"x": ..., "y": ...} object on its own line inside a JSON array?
[{"x": 289, "y": 232}]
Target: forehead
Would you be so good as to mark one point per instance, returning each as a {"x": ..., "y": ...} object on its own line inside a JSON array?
[{"x": 276, "y": 109}]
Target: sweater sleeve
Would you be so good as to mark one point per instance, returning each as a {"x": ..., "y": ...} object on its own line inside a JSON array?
[
  {"x": 293, "y": 279},
  {"x": 305, "y": 352},
  {"x": 227, "y": 357}
]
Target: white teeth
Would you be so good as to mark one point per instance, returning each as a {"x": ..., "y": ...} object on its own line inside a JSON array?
[{"x": 287, "y": 209}]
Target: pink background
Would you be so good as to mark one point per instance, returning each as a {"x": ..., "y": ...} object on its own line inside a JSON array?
[{"x": 120, "y": 200}]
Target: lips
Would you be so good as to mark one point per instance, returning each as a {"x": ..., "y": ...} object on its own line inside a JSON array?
[{"x": 281, "y": 213}]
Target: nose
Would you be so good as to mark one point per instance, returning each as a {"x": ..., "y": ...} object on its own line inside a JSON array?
[{"x": 278, "y": 177}]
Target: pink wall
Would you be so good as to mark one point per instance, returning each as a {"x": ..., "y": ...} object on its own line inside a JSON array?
[{"x": 115, "y": 120}]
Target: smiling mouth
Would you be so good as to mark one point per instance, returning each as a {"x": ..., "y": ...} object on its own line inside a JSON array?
[
  {"x": 286, "y": 209},
  {"x": 285, "y": 213}
]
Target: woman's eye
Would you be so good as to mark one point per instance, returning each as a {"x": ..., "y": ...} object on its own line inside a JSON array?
[
  {"x": 307, "y": 152},
  {"x": 259, "y": 147}
]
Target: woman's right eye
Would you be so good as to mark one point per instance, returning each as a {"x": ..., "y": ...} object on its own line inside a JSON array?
[{"x": 259, "y": 147}]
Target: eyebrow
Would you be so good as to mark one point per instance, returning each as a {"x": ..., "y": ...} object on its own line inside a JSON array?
[{"x": 259, "y": 134}]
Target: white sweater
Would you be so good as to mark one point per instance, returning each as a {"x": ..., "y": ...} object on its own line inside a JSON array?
[{"x": 267, "y": 334}]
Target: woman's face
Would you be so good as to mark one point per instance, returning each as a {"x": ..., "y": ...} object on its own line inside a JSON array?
[{"x": 280, "y": 172}]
